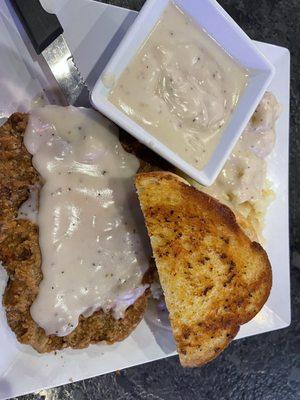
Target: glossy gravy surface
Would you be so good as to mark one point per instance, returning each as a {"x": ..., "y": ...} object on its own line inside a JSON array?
[
  {"x": 181, "y": 86},
  {"x": 90, "y": 227}
]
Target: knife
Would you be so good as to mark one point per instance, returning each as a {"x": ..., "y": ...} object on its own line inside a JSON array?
[{"x": 46, "y": 35}]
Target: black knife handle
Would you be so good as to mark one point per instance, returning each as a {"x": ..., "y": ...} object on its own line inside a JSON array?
[{"x": 41, "y": 27}]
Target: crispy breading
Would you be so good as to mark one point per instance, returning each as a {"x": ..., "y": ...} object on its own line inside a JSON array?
[
  {"x": 213, "y": 276},
  {"x": 20, "y": 254}
]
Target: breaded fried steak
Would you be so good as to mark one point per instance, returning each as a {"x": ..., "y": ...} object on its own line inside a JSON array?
[{"x": 21, "y": 257}]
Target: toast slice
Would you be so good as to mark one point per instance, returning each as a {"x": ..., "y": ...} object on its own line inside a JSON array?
[
  {"x": 213, "y": 276},
  {"x": 21, "y": 257}
]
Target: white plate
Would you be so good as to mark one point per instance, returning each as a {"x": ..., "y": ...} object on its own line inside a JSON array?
[{"x": 89, "y": 27}]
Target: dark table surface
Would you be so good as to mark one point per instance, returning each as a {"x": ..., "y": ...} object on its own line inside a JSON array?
[{"x": 261, "y": 367}]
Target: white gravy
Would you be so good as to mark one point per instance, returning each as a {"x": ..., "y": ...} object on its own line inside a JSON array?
[
  {"x": 94, "y": 248},
  {"x": 244, "y": 174},
  {"x": 181, "y": 86},
  {"x": 29, "y": 209}
]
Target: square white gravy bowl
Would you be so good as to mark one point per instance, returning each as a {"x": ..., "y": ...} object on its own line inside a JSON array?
[{"x": 206, "y": 18}]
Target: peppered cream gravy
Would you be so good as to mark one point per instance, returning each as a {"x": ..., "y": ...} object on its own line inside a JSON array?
[
  {"x": 93, "y": 250},
  {"x": 244, "y": 174},
  {"x": 181, "y": 86}
]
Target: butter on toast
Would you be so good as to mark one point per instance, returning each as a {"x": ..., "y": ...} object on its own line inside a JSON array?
[{"x": 213, "y": 276}]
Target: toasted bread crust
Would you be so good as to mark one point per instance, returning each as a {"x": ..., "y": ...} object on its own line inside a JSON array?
[
  {"x": 20, "y": 254},
  {"x": 213, "y": 276}
]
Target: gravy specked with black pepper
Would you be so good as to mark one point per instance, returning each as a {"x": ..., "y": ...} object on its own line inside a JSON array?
[
  {"x": 181, "y": 86},
  {"x": 94, "y": 249}
]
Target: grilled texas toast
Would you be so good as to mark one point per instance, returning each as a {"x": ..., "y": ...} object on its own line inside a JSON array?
[
  {"x": 213, "y": 276},
  {"x": 21, "y": 257}
]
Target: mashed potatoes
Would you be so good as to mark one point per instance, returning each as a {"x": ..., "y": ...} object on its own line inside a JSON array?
[{"x": 243, "y": 183}]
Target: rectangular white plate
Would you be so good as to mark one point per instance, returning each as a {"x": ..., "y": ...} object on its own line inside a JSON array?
[{"x": 93, "y": 31}]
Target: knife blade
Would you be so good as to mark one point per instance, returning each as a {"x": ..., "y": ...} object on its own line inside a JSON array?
[{"x": 46, "y": 35}]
